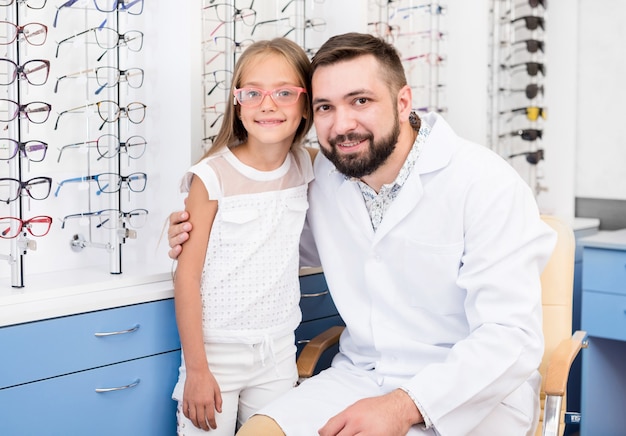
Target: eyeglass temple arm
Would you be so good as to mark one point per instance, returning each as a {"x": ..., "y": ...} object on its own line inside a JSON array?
[
  {"x": 73, "y": 180},
  {"x": 56, "y": 55},
  {"x": 71, "y": 75}
]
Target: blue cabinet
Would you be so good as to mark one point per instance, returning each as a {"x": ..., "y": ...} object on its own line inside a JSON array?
[
  {"x": 99, "y": 373},
  {"x": 318, "y": 314},
  {"x": 603, "y": 316},
  {"x": 112, "y": 371}
]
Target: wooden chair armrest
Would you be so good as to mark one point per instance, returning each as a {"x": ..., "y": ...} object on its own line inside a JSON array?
[
  {"x": 312, "y": 351},
  {"x": 561, "y": 362}
]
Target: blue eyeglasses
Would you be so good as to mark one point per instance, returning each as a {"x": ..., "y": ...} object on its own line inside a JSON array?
[{"x": 109, "y": 183}]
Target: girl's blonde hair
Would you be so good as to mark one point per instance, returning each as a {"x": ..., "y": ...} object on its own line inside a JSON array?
[{"x": 232, "y": 132}]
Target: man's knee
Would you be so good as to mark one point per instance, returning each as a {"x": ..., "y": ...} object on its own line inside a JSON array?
[{"x": 260, "y": 425}]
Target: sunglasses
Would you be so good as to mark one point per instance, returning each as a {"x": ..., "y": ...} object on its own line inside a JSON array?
[
  {"x": 532, "y": 157},
  {"x": 532, "y": 112},
  {"x": 531, "y": 90},
  {"x": 531, "y": 22},
  {"x": 532, "y": 68},
  {"x": 525, "y": 134}
]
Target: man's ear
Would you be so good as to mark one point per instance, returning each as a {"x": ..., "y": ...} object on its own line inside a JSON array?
[{"x": 405, "y": 102}]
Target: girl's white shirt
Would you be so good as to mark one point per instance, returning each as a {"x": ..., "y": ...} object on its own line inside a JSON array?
[{"x": 250, "y": 287}]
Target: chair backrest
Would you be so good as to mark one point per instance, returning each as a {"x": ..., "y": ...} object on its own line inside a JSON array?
[{"x": 557, "y": 284}]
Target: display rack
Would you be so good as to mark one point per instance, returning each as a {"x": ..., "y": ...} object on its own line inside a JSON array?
[
  {"x": 417, "y": 29},
  {"x": 86, "y": 186},
  {"x": 230, "y": 27},
  {"x": 517, "y": 72}
]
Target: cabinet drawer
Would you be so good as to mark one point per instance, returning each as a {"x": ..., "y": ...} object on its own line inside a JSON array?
[
  {"x": 604, "y": 315},
  {"x": 315, "y": 300},
  {"x": 70, "y": 405},
  {"x": 60, "y": 346},
  {"x": 604, "y": 270}
]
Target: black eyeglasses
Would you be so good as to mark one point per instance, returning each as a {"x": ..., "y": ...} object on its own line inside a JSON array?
[
  {"x": 532, "y": 157},
  {"x": 34, "y": 71},
  {"x": 133, "y": 7},
  {"x": 531, "y": 21},
  {"x": 219, "y": 79},
  {"x": 109, "y": 146},
  {"x": 108, "y": 77},
  {"x": 11, "y": 227},
  {"x": 36, "y": 112},
  {"x": 110, "y": 112},
  {"x": 282, "y": 11},
  {"x": 532, "y": 68},
  {"x": 33, "y": 33},
  {"x": 109, "y": 183},
  {"x": 531, "y": 112},
  {"x": 32, "y": 4},
  {"x": 108, "y": 39},
  {"x": 110, "y": 218},
  {"x": 34, "y": 151},
  {"x": 37, "y": 188},
  {"x": 525, "y": 134},
  {"x": 531, "y": 90}
]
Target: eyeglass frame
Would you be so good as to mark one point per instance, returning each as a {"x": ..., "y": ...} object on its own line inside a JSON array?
[
  {"x": 20, "y": 73},
  {"x": 265, "y": 93},
  {"x": 102, "y": 189},
  {"x": 98, "y": 214},
  {"x": 121, "y": 73},
  {"x": 97, "y": 141},
  {"x": 47, "y": 107},
  {"x": 26, "y": 224},
  {"x": 124, "y": 8},
  {"x": 20, "y": 30},
  {"x": 27, "y": 5},
  {"x": 120, "y": 39},
  {"x": 124, "y": 109},
  {"x": 21, "y": 147},
  {"x": 23, "y": 186}
]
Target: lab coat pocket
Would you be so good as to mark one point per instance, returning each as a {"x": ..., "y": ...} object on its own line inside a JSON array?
[
  {"x": 435, "y": 268},
  {"x": 240, "y": 224}
]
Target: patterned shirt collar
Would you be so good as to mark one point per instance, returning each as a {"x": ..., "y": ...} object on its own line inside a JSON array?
[{"x": 378, "y": 203}]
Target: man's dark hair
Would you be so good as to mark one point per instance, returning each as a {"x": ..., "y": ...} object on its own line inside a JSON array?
[{"x": 349, "y": 46}]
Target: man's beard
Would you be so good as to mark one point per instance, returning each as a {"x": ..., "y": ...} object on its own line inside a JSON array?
[{"x": 359, "y": 165}]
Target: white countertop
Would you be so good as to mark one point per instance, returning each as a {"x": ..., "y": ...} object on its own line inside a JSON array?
[
  {"x": 77, "y": 291},
  {"x": 72, "y": 292}
]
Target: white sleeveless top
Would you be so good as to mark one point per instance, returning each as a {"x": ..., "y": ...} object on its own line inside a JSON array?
[{"x": 250, "y": 287}]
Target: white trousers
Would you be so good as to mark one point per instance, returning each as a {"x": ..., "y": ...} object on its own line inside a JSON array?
[{"x": 249, "y": 376}]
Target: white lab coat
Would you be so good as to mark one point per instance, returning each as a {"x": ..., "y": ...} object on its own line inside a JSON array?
[{"x": 446, "y": 294}]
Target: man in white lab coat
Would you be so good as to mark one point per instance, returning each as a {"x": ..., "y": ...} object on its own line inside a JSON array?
[{"x": 432, "y": 248}]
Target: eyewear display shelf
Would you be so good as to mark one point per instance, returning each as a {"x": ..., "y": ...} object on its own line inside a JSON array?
[
  {"x": 84, "y": 47},
  {"x": 516, "y": 87},
  {"x": 417, "y": 30},
  {"x": 603, "y": 317}
]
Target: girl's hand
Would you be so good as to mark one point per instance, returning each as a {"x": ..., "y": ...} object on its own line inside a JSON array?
[{"x": 201, "y": 399}]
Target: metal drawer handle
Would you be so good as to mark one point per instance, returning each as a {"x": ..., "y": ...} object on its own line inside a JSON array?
[
  {"x": 121, "y": 332},
  {"x": 303, "y": 341},
  {"x": 318, "y": 294},
  {"x": 119, "y": 388}
]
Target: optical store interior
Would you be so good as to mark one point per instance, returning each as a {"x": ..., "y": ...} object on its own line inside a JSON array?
[{"x": 107, "y": 103}]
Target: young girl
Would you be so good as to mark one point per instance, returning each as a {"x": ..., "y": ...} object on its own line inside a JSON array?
[{"x": 236, "y": 285}]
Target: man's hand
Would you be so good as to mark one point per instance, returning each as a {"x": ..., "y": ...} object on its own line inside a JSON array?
[
  {"x": 178, "y": 232},
  {"x": 392, "y": 414}
]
